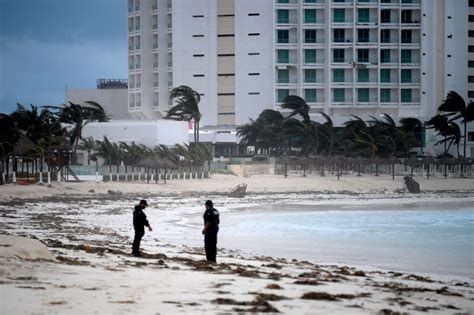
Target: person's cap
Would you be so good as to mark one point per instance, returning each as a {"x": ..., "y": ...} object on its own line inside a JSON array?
[
  {"x": 209, "y": 203},
  {"x": 143, "y": 202}
]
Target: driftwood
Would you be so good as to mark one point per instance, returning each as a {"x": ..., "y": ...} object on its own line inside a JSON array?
[
  {"x": 239, "y": 191},
  {"x": 412, "y": 185}
]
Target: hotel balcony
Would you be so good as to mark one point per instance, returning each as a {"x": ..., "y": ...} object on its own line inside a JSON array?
[
  {"x": 410, "y": 4},
  {"x": 287, "y": 4},
  {"x": 342, "y": 3}
]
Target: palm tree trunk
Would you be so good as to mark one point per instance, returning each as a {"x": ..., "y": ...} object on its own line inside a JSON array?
[{"x": 465, "y": 136}]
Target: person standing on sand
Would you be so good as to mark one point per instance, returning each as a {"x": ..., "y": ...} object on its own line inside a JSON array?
[
  {"x": 211, "y": 227},
  {"x": 139, "y": 223}
]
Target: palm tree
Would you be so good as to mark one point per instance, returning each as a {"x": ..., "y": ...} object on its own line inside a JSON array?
[
  {"x": 89, "y": 145},
  {"x": 329, "y": 138},
  {"x": 455, "y": 107},
  {"x": 449, "y": 130},
  {"x": 265, "y": 133},
  {"x": 9, "y": 135},
  {"x": 77, "y": 116},
  {"x": 297, "y": 105},
  {"x": 186, "y": 108}
]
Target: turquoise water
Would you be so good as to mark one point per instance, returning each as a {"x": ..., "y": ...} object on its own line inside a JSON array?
[{"x": 426, "y": 241}]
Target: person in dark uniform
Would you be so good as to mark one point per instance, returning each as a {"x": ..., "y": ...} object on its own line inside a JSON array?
[
  {"x": 139, "y": 223},
  {"x": 211, "y": 227}
]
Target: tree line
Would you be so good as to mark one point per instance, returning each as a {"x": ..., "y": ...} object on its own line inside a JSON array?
[{"x": 275, "y": 134}]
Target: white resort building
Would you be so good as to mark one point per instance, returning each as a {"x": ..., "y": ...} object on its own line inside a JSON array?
[{"x": 344, "y": 57}]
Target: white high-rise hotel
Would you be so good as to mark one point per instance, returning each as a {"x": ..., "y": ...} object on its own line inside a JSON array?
[{"x": 344, "y": 57}]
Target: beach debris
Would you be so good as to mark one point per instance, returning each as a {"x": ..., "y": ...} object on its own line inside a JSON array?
[
  {"x": 246, "y": 273},
  {"x": 259, "y": 305},
  {"x": 417, "y": 278},
  {"x": 238, "y": 191},
  {"x": 88, "y": 248},
  {"x": 324, "y": 296},
  {"x": 269, "y": 296},
  {"x": 412, "y": 186},
  {"x": 387, "y": 311},
  {"x": 445, "y": 291},
  {"x": 114, "y": 192},
  {"x": 57, "y": 303},
  {"x": 307, "y": 282},
  {"x": 92, "y": 191},
  {"x": 124, "y": 302},
  {"x": 274, "y": 276},
  {"x": 273, "y": 286},
  {"x": 72, "y": 261},
  {"x": 276, "y": 266}
]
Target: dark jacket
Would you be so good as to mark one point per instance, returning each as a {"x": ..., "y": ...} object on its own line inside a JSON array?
[
  {"x": 211, "y": 216},
  {"x": 139, "y": 219}
]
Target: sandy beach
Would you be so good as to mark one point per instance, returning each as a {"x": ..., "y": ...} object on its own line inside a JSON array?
[
  {"x": 60, "y": 255},
  {"x": 258, "y": 184}
]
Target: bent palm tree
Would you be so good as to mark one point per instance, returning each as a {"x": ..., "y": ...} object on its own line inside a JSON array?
[
  {"x": 78, "y": 116},
  {"x": 455, "y": 107},
  {"x": 186, "y": 108},
  {"x": 89, "y": 145}
]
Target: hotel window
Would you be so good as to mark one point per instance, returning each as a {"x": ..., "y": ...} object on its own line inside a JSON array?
[
  {"x": 310, "y": 95},
  {"x": 338, "y": 55},
  {"x": 385, "y": 75},
  {"x": 362, "y": 95},
  {"x": 405, "y": 76},
  {"x": 362, "y": 55},
  {"x": 281, "y": 94},
  {"x": 282, "y": 36},
  {"x": 385, "y": 55},
  {"x": 310, "y": 16},
  {"x": 405, "y": 55},
  {"x": 406, "y": 16},
  {"x": 310, "y": 55},
  {"x": 405, "y": 95},
  {"x": 283, "y": 16},
  {"x": 338, "y": 75},
  {"x": 283, "y": 1},
  {"x": 283, "y": 76},
  {"x": 363, "y": 15},
  {"x": 385, "y": 36},
  {"x": 310, "y": 75},
  {"x": 339, "y": 15},
  {"x": 283, "y": 56},
  {"x": 339, "y": 95},
  {"x": 362, "y": 75},
  {"x": 310, "y": 36},
  {"x": 310, "y": 1},
  {"x": 339, "y": 35},
  {"x": 385, "y": 95},
  {"x": 406, "y": 37},
  {"x": 384, "y": 16},
  {"x": 363, "y": 35}
]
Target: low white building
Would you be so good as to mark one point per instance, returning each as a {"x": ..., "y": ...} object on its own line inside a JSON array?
[{"x": 149, "y": 133}]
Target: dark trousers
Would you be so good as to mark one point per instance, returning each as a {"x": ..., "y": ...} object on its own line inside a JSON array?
[
  {"x": 136, "y": 242},
  {"x": 210, "y": 244}
]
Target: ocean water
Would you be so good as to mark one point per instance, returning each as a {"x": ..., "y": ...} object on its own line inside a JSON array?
[{"x": 424, "y": 241}]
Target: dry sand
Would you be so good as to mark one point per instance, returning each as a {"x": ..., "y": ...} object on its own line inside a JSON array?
[{"x": 256, "y": 184}]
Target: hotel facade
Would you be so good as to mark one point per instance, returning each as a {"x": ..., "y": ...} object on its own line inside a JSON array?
[{"x": 344, "y": 57}]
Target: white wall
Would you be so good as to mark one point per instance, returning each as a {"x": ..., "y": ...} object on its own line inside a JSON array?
[
  {"x": 114, "y": 101},
  {"x": 149, "y": 133},
  {"x": 250, "y": 106}
]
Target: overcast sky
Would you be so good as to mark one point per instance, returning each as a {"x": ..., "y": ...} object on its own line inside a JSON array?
[{"x": 48, "y": 45}]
